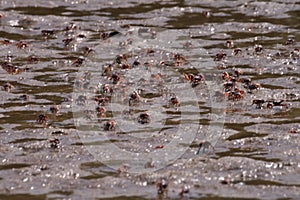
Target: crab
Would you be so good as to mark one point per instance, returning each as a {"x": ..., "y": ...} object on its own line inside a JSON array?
[
  {"x": 107, "y": 89},
  {"x": 42, "y": 119},
  {"x": 106, "y": 35},
  {"x": 115, "y": 78},
  {"x": 11, "y": 69},
  {"x": 24, "y": 97},
  {"x": 237, "y": 51},
  {"x": 229, "y": 44},
  {"x": 101, "y": 110},
  {"x": 162, "y": 186},
  {"x": 134, "y": 98},
  {"x": 220, "y": 56},
  {"x": 235, "y": 95},
  {"x": 277, "y": 104},
  {"x": 71, "y": 27},
  {"x": 33, "y": 60},
  {"x": 258, "y": 49},
  {"x": 109, "y": 125},
  {"x": 174, "y": 101},
  {"x": 102, "y": 101},
  {"x": 88, "y": 51},
  {"x": 144, "y": 118},
  {"x": 79, "y": 61},
  {"x": 47, "y": 33},
  {"x": 258, "y": 103},
  {"x": 185, "y": 189},
  {"x": 22, "y": 45},
  {"x": 194, "y": 79},
  {"x": 67, "y": 41}
]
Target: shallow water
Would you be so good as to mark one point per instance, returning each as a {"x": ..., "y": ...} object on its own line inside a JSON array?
[{"x": 255, "y": 148}]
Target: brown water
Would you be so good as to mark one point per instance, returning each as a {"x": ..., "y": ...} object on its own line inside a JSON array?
[{"x": 256, "y": 149}]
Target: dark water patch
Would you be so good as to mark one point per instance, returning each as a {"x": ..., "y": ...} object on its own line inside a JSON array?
[
  {"x": 51, "y": 99},
  {"x": 23, "y": 140},
  {"x": 14, "y": 166},
  {"x": 124, "y": 198},
  {"x": 118, "y": 13},
  {"x": 93, "y": 176},
  {"x": 273, "y": 87},
  {"x": 213, "y": 197},
  {"x": 254, "y": 153},
  {"x": 97, "y": 170},
  {"x": 266, "y": 76},
  {"x": 23, "y": 196},
  {"x": 238, "y": 126},
  {"x": 265, "y": 182},
  {"x": 103, "y": 142},
  {"x": 14, "y": 36},
  {"x": 66, "y": 193},
  {"x": 41, "y": 11},
  {"x": 245, "y": 134}
]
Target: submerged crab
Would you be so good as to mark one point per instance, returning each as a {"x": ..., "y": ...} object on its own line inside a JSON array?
[
  {"x": 7, "y": 87},
  {"x": 105, "y": 35},
  {"x": 24, "y": 97},
  {"x": 47, "y": 33},
  {"x": 258, "y": 103},
  {"x": 144, "y": 118},
  {"x": 54, "y": 109},
  {"x": 54, "y": 143},
  {"x": 33, "y": 60},
  {"x": 251, "y": 86},
  {"x": 115, "y": 78},
  {"x": 81, "y": 100},
  {"x": 204, "y": 146}
]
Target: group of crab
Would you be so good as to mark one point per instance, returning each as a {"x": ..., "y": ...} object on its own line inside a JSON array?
[
  {"x": 13, "y": 68},
  {"x": 8, "y": 64},
  {"x": 113, "y": 79},
  {"x": 236, "y": 86}
]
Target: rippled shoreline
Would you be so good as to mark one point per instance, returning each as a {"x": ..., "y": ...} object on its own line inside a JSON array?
[{"x": 80, "y": 76}]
